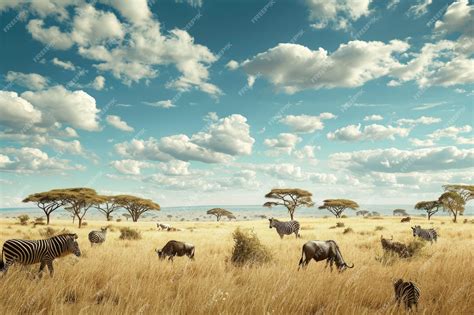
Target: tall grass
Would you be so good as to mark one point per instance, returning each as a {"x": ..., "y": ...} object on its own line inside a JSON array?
[{"x": 126, "y": 277}]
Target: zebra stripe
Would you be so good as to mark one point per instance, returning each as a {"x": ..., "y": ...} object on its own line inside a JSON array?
[
  {"x": 407, "y": 292},
  {"x": 28, "y": 252},
  {"x": 426, "y": 234},
  {"x": 285, "y": 228},
  {"x": 98, "y": 237}
]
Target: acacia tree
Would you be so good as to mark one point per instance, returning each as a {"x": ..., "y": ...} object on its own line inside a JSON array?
[
  {"x": 291, "y": 198},
  {"x": 109, "y": 206},
  {"x": 79, "y": 200},
  {"x": 136, "y": 206},
  {"x": 219, "y": 212},
  {"x": 127, "y": 216},
  {"x": 452, "y": 202},
  {"x": 48, "y": 201},
  {"x": 465, "y": 191},
  {"x": 401, "y": 212},
  {"x": 337, "y": 206},
  {"x": 431, "y": 207}
]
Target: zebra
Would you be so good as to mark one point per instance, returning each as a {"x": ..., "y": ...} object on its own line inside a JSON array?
[
  {"x": 285, "y": 228},
  {"x": 426, "y": 234},
  {"x": 28, "y": 252},
  {"x": 407, "y": 292},
  {"x": 98, "y": 237}
]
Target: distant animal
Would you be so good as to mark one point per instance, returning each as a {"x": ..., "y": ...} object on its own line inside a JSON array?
[
  {"x": 400, "y": 212},
  {"x": 28, "y": 252},
  {"x": 285, "y": 228},
  {"x": 407, "y": 292},
  {"x": 176, "y": 248},
  {"x": 162, "y": 226},
  {"x": 323, "y": 250},
  {"x": 362, "y": 213},
  {"x": 397, "y": 247},
  {"x": 173, "y": 229},
  {"x": 426, "y": 234},
  {"x": 407, "y": 219},
  {"x": 98, "y": 237}
]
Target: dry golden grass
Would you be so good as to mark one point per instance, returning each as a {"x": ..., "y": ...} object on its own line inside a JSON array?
[{"x": 126, "y": 277}]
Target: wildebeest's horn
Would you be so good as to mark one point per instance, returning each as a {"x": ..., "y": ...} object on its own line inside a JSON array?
[{"x": 350, "y": 266}]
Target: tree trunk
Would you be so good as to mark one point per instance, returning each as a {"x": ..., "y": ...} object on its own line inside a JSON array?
[
  {"x": 80, "y": 221},
  {"x": 218, "y": 218},
  {"x": 429, "y": 216},
  {"x": 47, "y": 218},
  {"x": 455, "y": 220},
  {"x": 291, "y": 216},
  {"x": 108, "y": 217}
]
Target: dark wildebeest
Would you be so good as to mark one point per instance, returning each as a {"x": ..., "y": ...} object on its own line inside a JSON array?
[
  {"x": 407, "y": 219},
  {"x": 321, "y": 250},
  {"x": 176, "y": 248}
]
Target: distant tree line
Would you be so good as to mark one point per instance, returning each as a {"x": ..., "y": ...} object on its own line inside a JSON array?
[{"x": 78, "y": 201}]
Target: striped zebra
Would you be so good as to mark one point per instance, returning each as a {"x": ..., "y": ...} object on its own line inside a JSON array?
[
  {"x": 98, "y": 237},
  {"x": 29, "y": 252},
  {"x": 407, "y": 292},
  {"x": 285, "y": 228},
  {"x": 426, "y": 234}
]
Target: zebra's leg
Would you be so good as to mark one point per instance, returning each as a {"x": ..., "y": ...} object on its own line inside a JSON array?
[{"x": 50, "y": 267}]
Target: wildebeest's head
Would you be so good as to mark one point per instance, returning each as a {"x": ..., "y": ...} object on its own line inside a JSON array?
[
  {"x": 160, "y": 254},
  {"x": 72, "y": 245}
]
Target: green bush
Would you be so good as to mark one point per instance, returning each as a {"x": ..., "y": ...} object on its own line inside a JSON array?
[
  {"x": 248, "y": 250},
  {"x": 127, "y": 233},
  {"x": 339, "y": 224},
  {"x": 23, "y": 219},
  {"x": 348, "y": 230}
]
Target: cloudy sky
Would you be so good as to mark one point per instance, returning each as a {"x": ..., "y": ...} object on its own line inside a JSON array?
[{"x": 200, "y": 102}]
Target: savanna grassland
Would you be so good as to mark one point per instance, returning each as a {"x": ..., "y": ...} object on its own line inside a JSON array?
[{"x": 126, "y": 277}]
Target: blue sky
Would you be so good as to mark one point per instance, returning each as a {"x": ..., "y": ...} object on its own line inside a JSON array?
[{"x": 216, "y": 102}]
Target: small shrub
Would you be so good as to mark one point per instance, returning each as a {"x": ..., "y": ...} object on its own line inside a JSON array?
[
  {"x": 332, "y": 227},
  {"x": 84, "y": 223},
  {"x": 348, "y": 230},
  {"x": 50, "y": 232},
  {"x": 127, "y": 233},
  {"x": 442, "y": 222},
  {"x": 118, "y": 220},
  {"x": 248, "y": 250},
  {"x": 379, "y": 228},
  {"x": 344, "y": 216},
  {"x": 339, "y": 224},
  {"x": 415, "y": 246},
  {"x": 23, "y": 219}
]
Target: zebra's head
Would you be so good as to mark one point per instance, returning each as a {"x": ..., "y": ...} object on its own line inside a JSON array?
[
  {"x": 271, "y": 222},
  {"x": 104, "y": 229},
  {"x": 397, "y": 283},
  {"x": 73, "y": 246},
  {"x": 415, "y": 229}
]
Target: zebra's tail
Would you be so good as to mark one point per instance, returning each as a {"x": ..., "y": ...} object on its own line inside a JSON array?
[{"x": 2, "y": 264}]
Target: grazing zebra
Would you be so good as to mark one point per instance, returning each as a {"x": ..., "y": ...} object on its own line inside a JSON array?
[
  {"x": 426, "y": 234},
  {"x": 407, "y": 292},
  {"x": 45, "y": 251},
  {"x": 285, "y": 228},
  {"x": 98, "y": 237}
]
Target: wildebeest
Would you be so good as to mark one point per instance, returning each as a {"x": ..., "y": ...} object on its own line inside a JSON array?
[
  {"x": 426, "y": 234},
  {"x": 407, "y": 292},
  {"x": 397, "y": 247},
  {"x": 323, "y": 250},
  {"x": 407, "y": 219},
  {"x": 176, "y": 248},
  {"x": 162, "y": 226}
]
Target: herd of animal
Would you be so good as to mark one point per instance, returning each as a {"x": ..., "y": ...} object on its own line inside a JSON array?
[{"x": 44, "y": 252}]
